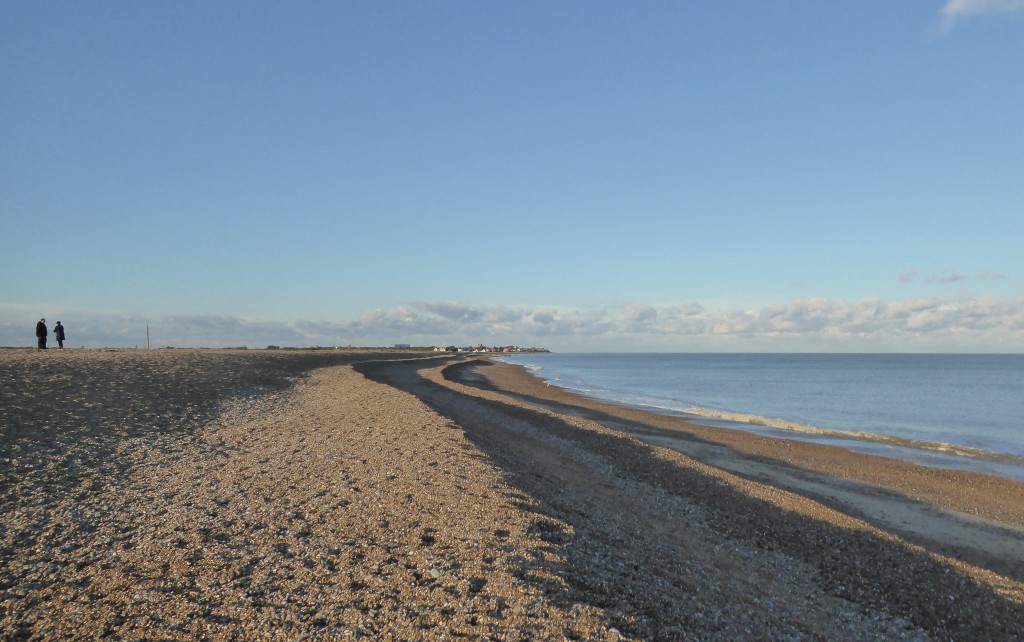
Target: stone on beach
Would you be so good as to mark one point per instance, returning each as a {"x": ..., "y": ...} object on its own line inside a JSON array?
[{"x": 185, "y": 495}]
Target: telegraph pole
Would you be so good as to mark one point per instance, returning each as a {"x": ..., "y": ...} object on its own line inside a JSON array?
[{"x": 147, "y": 336}]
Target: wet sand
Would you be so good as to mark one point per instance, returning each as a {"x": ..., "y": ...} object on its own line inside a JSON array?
[{"x": 280, "y": 495}]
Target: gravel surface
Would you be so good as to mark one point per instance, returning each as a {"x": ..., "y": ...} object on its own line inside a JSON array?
[{"x": 250, "y": 495}]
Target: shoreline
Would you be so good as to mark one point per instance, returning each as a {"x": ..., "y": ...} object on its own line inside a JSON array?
[
  {"x": 893, "y": 494},
  {"x": 935, "y": 454},
  {"x": 224, "y": 495},
  {"x": 927, "y": 453},
  {"x": 836, "y": 460}
]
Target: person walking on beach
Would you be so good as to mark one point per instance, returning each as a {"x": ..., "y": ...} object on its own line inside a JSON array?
[
  {"x": 58, "y": 334},
  {"x": 41, "y": 333}
]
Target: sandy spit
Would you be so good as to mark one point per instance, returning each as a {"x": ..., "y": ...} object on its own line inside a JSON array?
[{"x": 279, "y": 495}]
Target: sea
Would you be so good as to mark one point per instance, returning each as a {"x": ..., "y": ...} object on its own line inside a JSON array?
[{"x": 961, "y": 411}]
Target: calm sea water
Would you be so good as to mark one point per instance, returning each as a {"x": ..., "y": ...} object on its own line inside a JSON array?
[{"x": 963, "y": 411}]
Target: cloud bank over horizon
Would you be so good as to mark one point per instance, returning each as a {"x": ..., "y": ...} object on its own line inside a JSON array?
[{"x": 965, "y": 323}]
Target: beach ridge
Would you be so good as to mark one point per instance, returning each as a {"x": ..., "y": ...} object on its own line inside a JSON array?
[{"x": 205, "y": 495}]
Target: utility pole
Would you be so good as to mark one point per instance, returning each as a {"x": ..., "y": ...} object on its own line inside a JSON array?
[{"x": 147, "y": 336}]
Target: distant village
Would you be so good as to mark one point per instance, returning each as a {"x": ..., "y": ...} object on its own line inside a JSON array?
[
  {"x": 482, "y": 348},
  {"x": 406, "y": 346}
]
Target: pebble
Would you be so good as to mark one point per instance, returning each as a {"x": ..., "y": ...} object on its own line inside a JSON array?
[{"x": 287, "y": 495}]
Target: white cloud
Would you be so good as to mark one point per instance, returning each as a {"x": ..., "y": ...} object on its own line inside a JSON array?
[
  {"x": 958, "y": 277},
  {"x": 952, "y": 277},
  {"x": 908, "y": 276},
  {"x": 965, "y": 323},
  {"x": 955, "y": 10},
  {"x": 991, "y": 276},
  {"x": 640, "y": 311}
]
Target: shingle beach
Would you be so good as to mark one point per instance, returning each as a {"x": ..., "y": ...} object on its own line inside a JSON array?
[{"x": 323, "y": 495}]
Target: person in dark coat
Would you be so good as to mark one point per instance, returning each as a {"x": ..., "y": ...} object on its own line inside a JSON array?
[
  {"x": 41, "y": 333},
  {"x": 58, "y": 334}
]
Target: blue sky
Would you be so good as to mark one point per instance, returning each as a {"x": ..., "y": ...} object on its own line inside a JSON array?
[{"x": 580, "y": 175}]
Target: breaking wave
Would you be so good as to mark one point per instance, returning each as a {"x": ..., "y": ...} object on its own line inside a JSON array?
[
  {"x": 851, "y": 435},
  {"x": 795, "y": 429}
]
